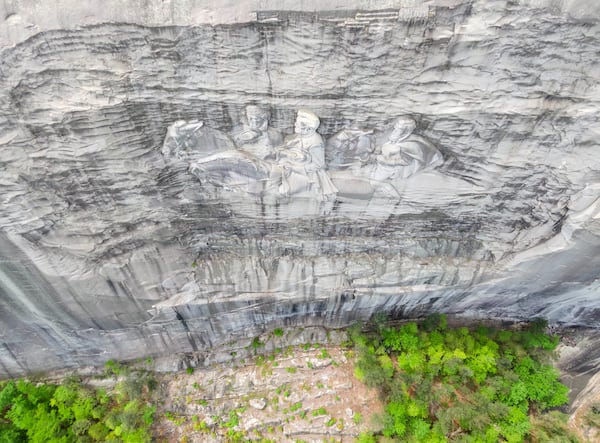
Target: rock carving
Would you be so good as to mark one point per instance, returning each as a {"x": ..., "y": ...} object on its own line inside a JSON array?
[
  {"x": 302, "y": 160},
  {"x": 255, "y": 160},
  {"x": 361, "y": 169},
  {"x": 404, "y": 153},
  {"x": 189, "y": 140},
  {"x": 255, "y": 136},
  {"x": 350, "y": 149}
]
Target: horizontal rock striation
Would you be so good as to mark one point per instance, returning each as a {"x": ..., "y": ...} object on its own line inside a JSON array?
[{"x": 110, "y": 250}]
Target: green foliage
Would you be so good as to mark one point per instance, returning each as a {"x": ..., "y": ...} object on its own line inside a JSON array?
[
  {"x": 435, "y": 322},
  {"x": 278, "y": 332},
  {"x": 320, "y": 411},
  {"x": 366, "y": 437},
  {"x": 113, "y": 368},
  {"x": 296, "y": 406},
  {"x": 458, "y": 384},
  {"x": 72, "y": 412},
  {"x": 234, "y": 419}
]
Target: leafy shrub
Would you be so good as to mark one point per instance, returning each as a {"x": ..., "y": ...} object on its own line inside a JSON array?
[{"x": 320, "y": 411}]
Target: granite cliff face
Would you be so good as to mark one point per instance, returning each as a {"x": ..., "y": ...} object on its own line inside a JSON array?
[{"x": 108, "y": 249}]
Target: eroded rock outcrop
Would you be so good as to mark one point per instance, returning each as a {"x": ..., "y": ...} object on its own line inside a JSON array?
[{"x": 108, "y": 249}]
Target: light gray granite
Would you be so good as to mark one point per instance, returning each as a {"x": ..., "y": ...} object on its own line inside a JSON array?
[{"x": 145, "y": 211}]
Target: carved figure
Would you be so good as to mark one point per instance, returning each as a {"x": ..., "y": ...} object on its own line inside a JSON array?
[
  {"x": 405, "y": 153},
  {"x": 302, "y": 160},
  {"x": 350, "y": 149},
  {"x": 296, "y": 167},
  {"x": 189, "y": 140},
  {"x": 235, "y": 170},
  {"x": 255, "y": 136}
]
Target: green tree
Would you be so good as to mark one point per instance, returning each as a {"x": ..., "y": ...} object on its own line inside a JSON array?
[
  {"x": 71, "y": 412},
  {"x": 459, "y": 384}
]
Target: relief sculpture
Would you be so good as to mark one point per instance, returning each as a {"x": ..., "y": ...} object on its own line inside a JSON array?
[
  {"x": 255, "y": 136},
  {"x": 255, "y": 159},
  {"x": 302, "y": 160},
  {"x": 189, "y": 140},
  {"x": 405, "y": 153},
  {"x": 363, "y": 168}
]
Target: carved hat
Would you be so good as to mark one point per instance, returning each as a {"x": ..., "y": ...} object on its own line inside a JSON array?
[{"x": 310, "y": 117}]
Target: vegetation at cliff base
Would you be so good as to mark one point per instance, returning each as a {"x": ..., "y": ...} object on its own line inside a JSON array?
[
  {"x": 73, "y": 412},
  {"x": 431, "y": 382},
  {"x": 479, "y": 384}
]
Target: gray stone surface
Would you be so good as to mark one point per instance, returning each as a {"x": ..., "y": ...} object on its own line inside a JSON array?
[{"x": 111, "y": 249}]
